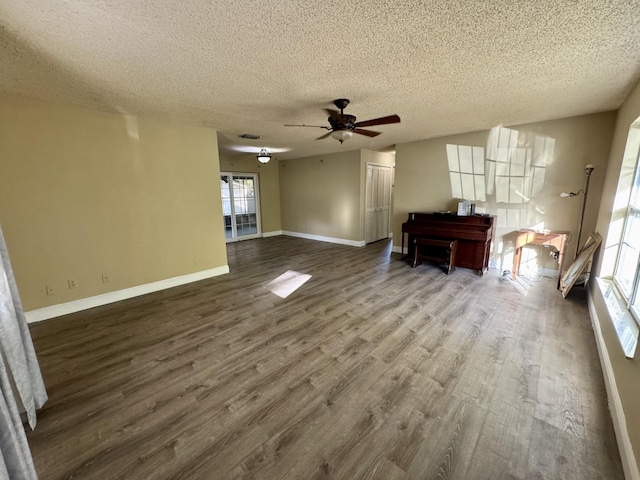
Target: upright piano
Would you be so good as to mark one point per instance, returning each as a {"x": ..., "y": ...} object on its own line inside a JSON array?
[{"x": 474, "y": 233}]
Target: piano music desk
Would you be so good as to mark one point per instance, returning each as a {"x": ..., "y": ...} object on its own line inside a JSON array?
[{"x": 552, "y": 238}]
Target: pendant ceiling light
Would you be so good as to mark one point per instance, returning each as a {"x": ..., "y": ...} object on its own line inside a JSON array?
[{"x": 264, "y": 156}]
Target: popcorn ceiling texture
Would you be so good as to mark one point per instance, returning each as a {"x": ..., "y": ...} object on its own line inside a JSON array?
[{"x": 251, "y": 66}]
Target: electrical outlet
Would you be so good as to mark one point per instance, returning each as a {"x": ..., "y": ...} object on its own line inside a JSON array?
[
  {"x": 72, "y": 283},
  {"x": 105, "y": 278},
  {"x": 50, "y": 290}
]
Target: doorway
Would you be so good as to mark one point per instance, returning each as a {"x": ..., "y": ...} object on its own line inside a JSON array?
[
  {"x": 240, "y": 206},
  {"x": 377, "y": 202}
]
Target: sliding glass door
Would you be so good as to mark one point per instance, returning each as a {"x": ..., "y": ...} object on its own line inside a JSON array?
[{"x": 240, "y": 205}]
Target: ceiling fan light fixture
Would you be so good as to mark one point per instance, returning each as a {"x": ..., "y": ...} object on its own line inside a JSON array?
[
  {"x": 264, "y": 156},
  {"x": 343, "y": 126},
  {"x": 342, "y": 135}
]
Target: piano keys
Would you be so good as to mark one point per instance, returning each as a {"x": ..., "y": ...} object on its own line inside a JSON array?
[{"x": 474, "y": 233}]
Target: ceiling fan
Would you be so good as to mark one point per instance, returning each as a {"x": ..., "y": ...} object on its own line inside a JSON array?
[{"x": 343, "y": 126}]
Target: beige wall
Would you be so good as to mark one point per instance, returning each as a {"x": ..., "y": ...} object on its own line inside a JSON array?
[
  {"x": 320, "y": 195},
  {"x": 84, "y": 193},
  {"x": 422, "y": 181},
  {"x": 268, "y": 185},
  {"x": 422, "y": 177},
  {"x": 618, "y": 180},
  {"x": 325, "y": 195}
]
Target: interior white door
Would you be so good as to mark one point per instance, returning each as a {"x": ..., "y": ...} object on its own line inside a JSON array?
[{"x": 377, "y": 202}]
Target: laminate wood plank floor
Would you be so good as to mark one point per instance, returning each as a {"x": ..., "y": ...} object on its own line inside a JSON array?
[{"x": 370, "y": 370}]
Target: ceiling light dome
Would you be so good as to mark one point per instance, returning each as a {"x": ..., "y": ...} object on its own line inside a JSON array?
[
  {"x": 264, "y": 156},
  {"x": 342, "y": 135}
]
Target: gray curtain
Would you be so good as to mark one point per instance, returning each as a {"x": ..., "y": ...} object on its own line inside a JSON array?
[{"x": 20, "y": 378}]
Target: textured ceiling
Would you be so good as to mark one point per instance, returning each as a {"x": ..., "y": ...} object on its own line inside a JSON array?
[{"x": 252, "y": 66}]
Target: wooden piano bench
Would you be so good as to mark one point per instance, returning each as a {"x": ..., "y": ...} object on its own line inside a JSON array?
[{"x": 437, "y": 250}]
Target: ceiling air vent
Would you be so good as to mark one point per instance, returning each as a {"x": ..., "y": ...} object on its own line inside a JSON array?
[{"x": 250, "y": 136}]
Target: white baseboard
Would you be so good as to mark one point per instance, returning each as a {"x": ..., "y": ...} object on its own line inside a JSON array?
[
  {"x": 341, "y": 241},
  {"x": 272, "y": 234},
  {"x": 396, "y": 249},
  {"x": 111, "y": 297},
  {"x": 627, "y": 457}
]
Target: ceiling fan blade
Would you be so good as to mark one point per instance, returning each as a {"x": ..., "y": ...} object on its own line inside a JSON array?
[
  {"x": 315, "y": 126},
  {"x": 324, "y": 136},
  {"x": 379, "y": 121},
  {"x": 334, "y": 114},
  {"x": 368, "y": 133}
]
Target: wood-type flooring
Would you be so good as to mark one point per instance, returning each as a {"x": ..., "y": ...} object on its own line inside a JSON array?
[{"x": 370, "y": 370}]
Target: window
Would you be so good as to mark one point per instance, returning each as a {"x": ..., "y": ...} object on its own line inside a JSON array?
[{"x": 627, "y": 270}]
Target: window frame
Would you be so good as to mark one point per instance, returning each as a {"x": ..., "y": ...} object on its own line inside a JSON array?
[{"x": 634, "y": 294}]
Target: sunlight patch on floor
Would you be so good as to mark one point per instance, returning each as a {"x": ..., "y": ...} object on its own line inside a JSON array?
[{"x": 287, "y": 283}]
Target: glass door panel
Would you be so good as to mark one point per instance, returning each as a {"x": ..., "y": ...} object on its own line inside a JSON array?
[
  {"x": 240, "y": 206},
  {"x": 227, "y": 212}
]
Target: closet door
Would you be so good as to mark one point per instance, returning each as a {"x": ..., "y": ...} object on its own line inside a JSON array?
[{"x": 377, "y": 202}]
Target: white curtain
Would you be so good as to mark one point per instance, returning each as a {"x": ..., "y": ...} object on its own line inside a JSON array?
[{"x": 19, "y": 377}]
